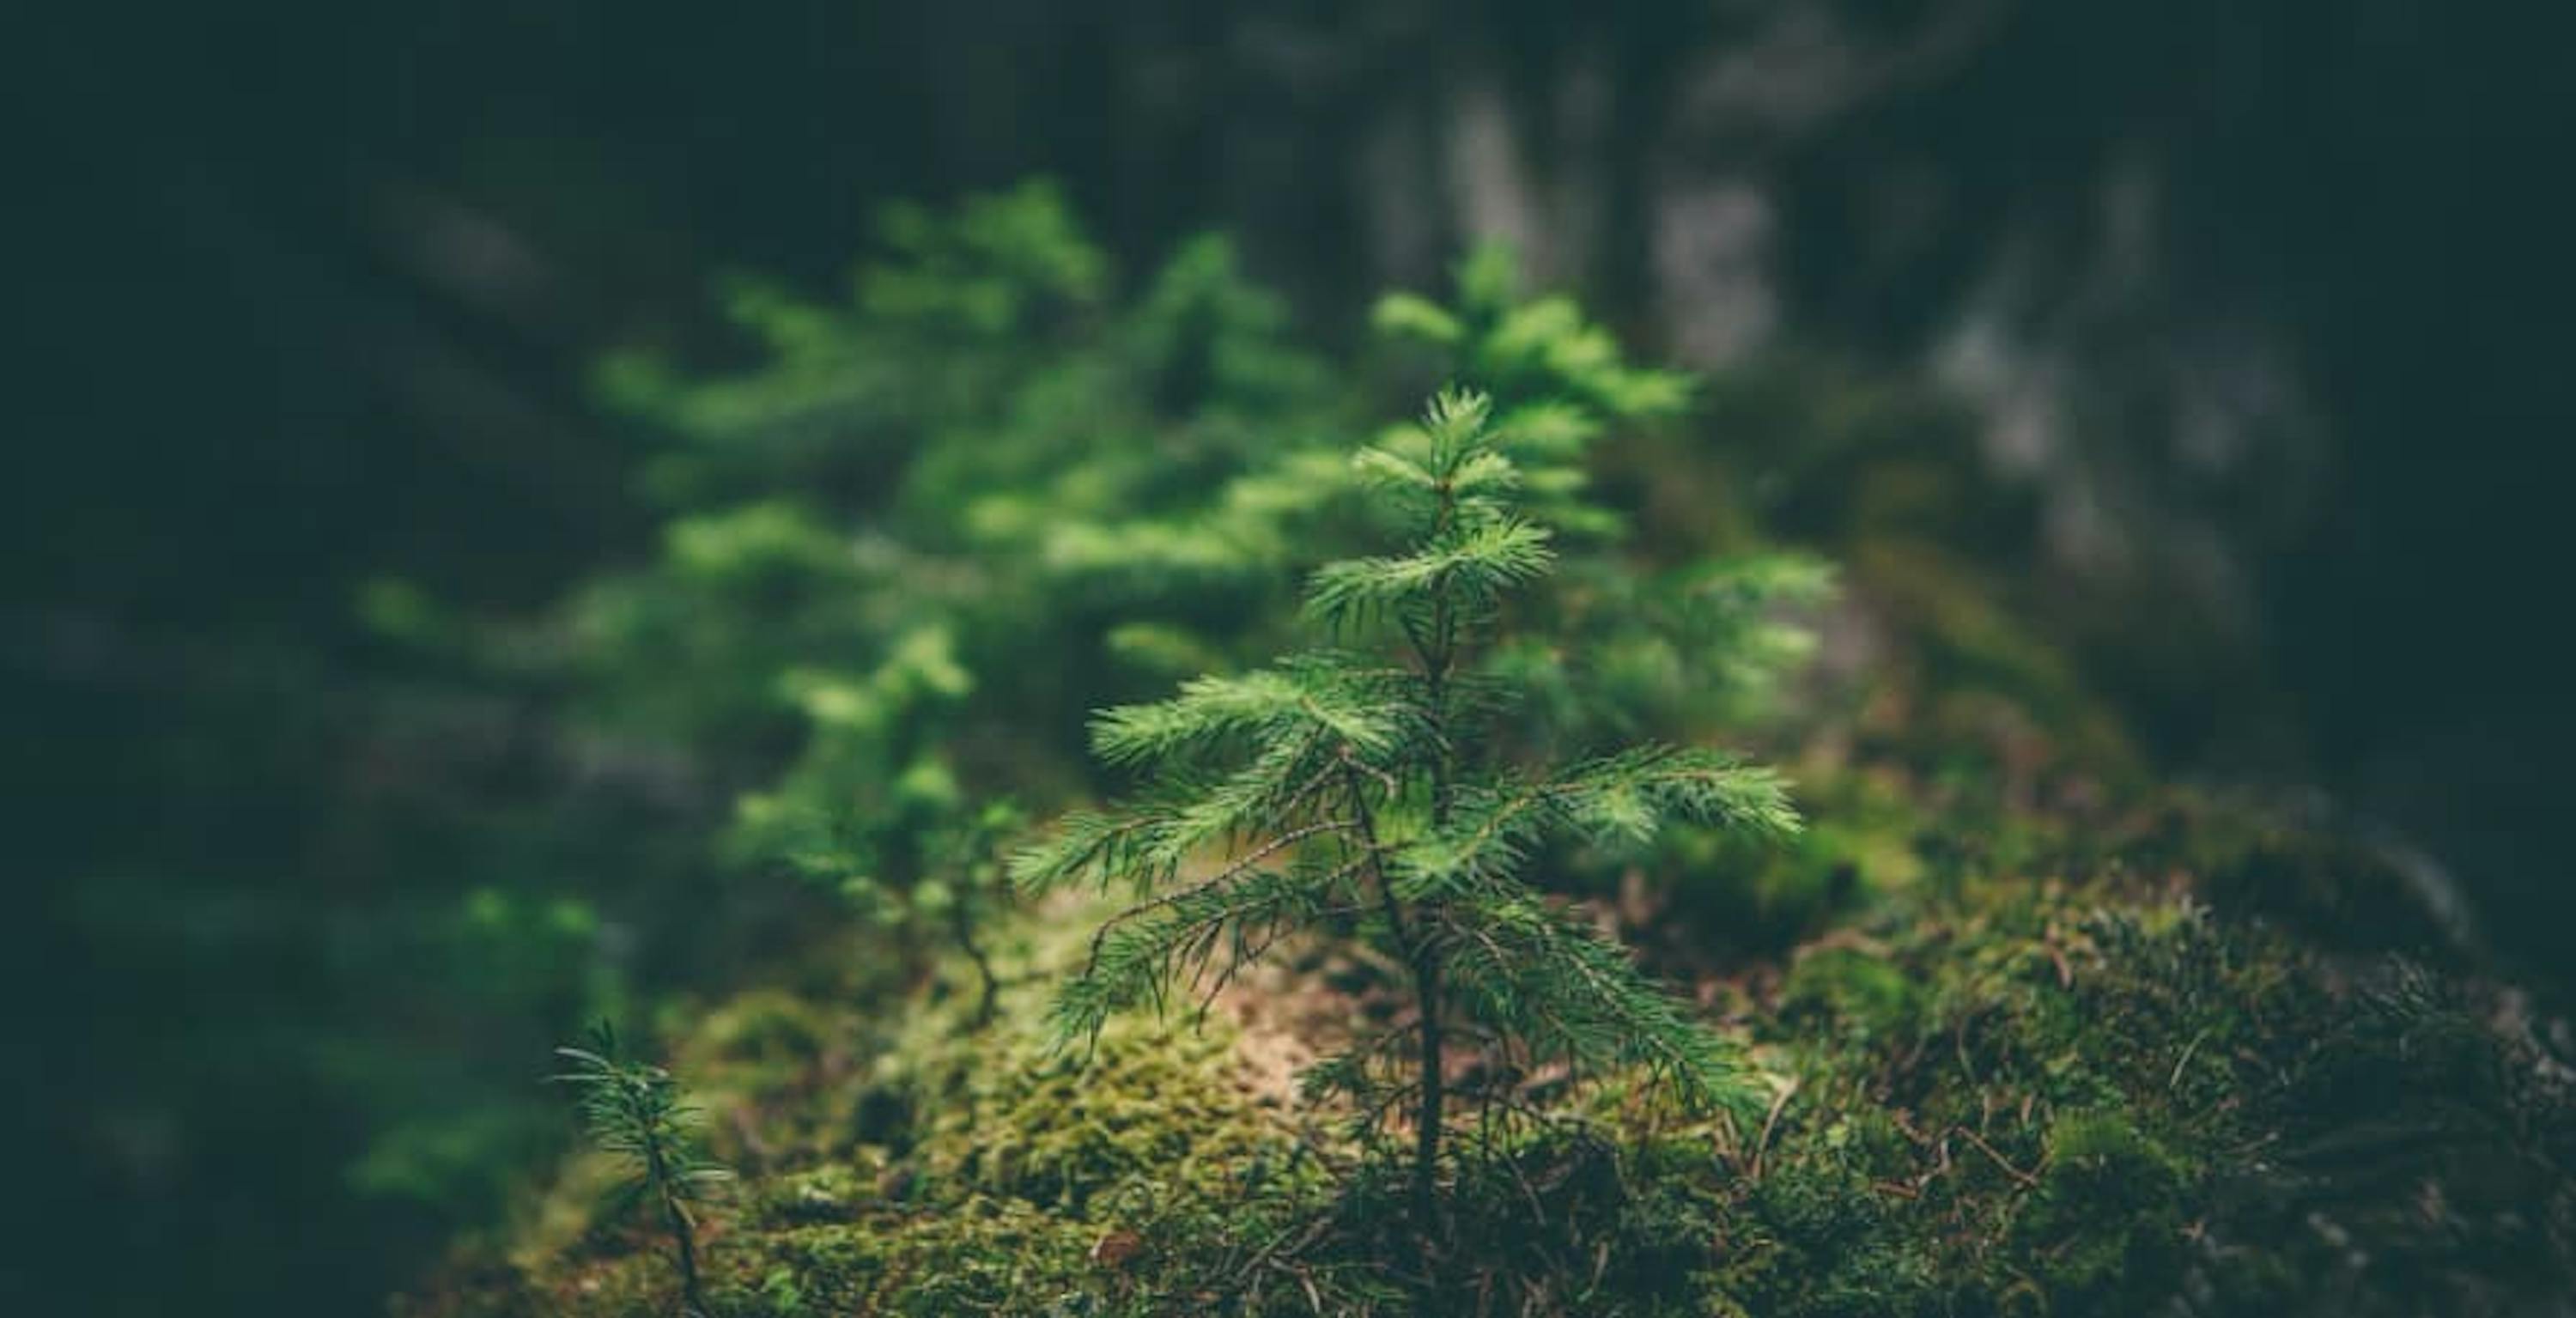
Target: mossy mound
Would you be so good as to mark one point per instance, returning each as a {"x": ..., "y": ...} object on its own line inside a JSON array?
[
  {"x": 2042, "y": 1040},
  {"x": 2062, "y": 1098},
  {"x": 939, "y": 1167},
  {"x": 1996, "y": 1094}
]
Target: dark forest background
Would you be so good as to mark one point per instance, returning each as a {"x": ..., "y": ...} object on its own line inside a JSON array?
[{"x": 2256, "y": 298}]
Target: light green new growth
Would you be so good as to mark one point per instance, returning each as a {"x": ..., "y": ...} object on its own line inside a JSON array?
[{"x": 1369, "y": 792}]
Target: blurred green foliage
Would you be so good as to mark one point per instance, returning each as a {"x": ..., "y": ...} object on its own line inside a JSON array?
[{"x": 926, "y": 531}]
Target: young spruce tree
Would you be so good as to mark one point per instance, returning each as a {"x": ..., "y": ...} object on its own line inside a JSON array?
[{"x": 1366, "y": 790}]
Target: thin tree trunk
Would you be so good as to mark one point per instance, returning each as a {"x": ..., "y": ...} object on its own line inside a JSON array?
[
  {"x": 684, "y": 1236},
  {"x": 687, "y": 1242},
  {"x": 1425, "y": 960},
  {"x": 992, "y": 985},
  {"x": 1437, "y": 657},
  {"x": 1427, "y": 1118}
]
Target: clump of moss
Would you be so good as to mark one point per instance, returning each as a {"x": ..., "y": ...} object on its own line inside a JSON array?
[
  {"x": 937, "y": 1168},
  {"x": 1850, "y": 989},
  {"x": 2107, "y": 1207},
  {"x": 978, "y": 1255},
  {"x": 1004, "y": 1113},
  {"x": 1974, "y": 1085}
]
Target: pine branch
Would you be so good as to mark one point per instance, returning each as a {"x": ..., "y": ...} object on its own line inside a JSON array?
[
  {"x": 1233, "y": 871},
  {"x": 1478, "y": 564},
  {"x": 1262, "y": 706}
]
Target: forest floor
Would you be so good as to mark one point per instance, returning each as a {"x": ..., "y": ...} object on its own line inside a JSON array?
[{"x": 2034, "y": 1047}]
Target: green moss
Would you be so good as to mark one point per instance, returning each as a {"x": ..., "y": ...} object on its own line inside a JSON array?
[
  {"x": 2108, "y": 1207},
  {"x": 981, "y": 1255},
  {"x": 1151, "y": 1106},
  {"x": 937, "y": 1169},
  {"x": 1850, "y": 989},
  {"x": 2003, "y": 1096}
]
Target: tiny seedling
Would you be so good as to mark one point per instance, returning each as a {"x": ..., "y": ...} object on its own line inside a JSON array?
[{"x": 636, "y": 1112}]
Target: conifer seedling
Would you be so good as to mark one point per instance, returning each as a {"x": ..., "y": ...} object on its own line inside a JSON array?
[
  {"x": 1363, "y": 790},
  {"x": 636, "y": 1111}
]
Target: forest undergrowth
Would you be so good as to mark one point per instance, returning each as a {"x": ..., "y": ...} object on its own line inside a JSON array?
[{"x": 2008, "y": 1026}]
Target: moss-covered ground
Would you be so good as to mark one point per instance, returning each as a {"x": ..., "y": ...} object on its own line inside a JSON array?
[
  {"x": 2011, "y": 1075},
  {"x": 2038, "y": 1037}
]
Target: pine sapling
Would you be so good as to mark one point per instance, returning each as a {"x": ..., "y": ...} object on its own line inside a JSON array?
[
  {"x": 1368, "y": 790},
  {"x": 635, "y": 1111}
]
